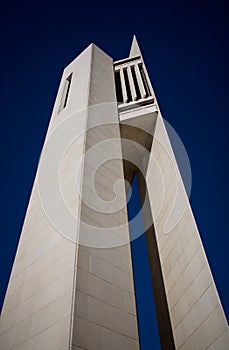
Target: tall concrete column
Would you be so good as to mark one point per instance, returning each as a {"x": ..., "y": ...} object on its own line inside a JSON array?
[
  {"x": 71, "y": 286},
  {"x": 194, "y": 307}
]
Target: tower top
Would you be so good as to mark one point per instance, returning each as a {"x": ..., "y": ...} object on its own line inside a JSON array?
[{"x": 135, "y": 50}]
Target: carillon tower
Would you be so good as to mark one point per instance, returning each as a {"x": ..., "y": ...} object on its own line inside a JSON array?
[{"x": 72, "y": 284}]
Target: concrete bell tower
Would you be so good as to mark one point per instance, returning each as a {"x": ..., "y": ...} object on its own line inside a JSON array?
[{"x": 72, "y": 284}]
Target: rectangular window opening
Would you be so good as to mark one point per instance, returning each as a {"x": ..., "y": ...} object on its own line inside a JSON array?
[
  {"x": 118, "y": 87},
  {"x": 144, "y": 80},
  {"x": 66, "y": 90}
]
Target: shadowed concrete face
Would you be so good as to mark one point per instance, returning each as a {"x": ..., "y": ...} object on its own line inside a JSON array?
[{"x": 135, "y": 134}]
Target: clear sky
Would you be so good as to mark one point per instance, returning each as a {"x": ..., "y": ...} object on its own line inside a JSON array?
[{"x": 184, "y": 44}]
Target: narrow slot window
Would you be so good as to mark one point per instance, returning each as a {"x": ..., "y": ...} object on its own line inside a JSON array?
[
  {"x": 118, "y": 87},
  {"x": 144, "y": 80},
  {"x": 127, "y": 85},
  {"x": 66, "y": 90},
  {"x": 135, "y": 83}
]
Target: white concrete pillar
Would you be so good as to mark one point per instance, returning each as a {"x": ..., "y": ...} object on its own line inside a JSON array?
[
  {"x": 140, "y": 83},
  {"x": 131, "y": 82},
  {"x": 123, "y": 84}
]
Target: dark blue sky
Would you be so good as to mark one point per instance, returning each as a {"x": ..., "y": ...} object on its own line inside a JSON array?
[{"x": 185, "y": 49}]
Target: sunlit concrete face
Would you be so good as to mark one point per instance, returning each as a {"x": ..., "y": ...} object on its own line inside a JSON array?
[
  {"x": 196, "y": 315},
  {"x": 71, "y": 285}
]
